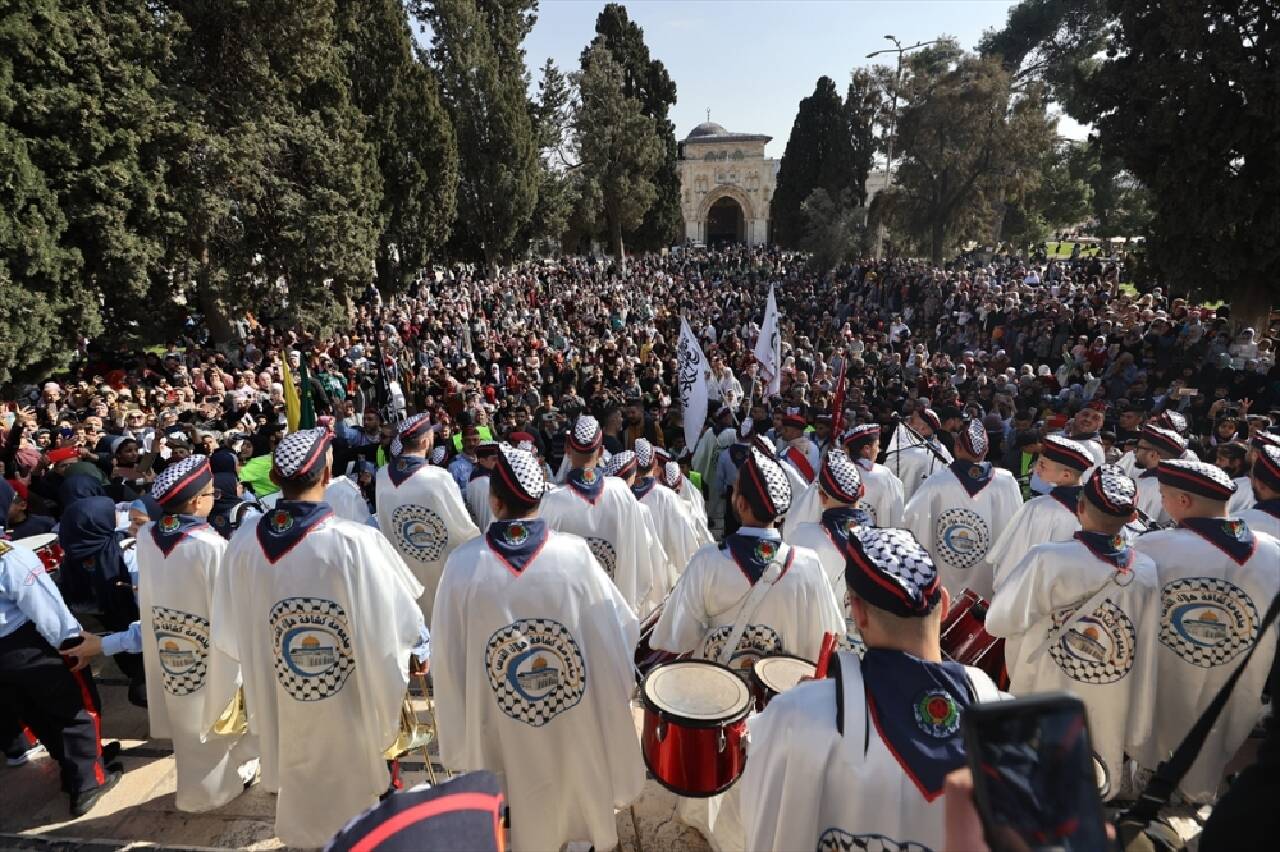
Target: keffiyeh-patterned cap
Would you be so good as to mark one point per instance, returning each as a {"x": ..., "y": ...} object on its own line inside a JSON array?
[
  {"x": 1066, "y": 452},
  {"x": 438, "y": 455},
  {"x": 1262, "y": 439},
  {"x": 181, "y": 481},
  {"x": 1166, "y": 441},
  {"x": 415, "y": 428},
  {"x": 1111, "y": 491},
  {"x": 860, "y": 436},
  {"x": 890, "y": 570},
  {"x": 661, "y": 456},
  {"x": 1173, "y": 420},
  {"x": 973, "y": 437},
  {"x": 397, "y": 447},
  {"x": 1196, "y": 477},
  {"x": 299, "y": 453},
  {"x": 840, "y": 478},
  {"x": 928, "y": 415},
  {"x": 586, "y": 435},
  {"x": 644, "y": 454},
  {"x": 1266, "y": 468},
  {"x": 521, "y": 473},
  {"x": 671, "y": 476},
  {"x": 764, "y": 485},
  {"x": 621, "y": 464}
]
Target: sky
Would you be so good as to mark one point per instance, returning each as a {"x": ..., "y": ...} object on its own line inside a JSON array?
[{"x": 751, "y": 61}]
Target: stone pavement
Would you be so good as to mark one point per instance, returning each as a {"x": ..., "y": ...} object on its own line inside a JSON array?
[{"x": 139, "y": 813}]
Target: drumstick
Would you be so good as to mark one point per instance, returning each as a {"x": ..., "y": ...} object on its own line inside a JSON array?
[{"x": 824, "y": 656}]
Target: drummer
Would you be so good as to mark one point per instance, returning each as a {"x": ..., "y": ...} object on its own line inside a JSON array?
[
  {"x": 1049, "y": 517},
  {"x": 862, "y": 755},
  {"x": 1108, "y": 656},
  {"x": 533, "y": 669}
]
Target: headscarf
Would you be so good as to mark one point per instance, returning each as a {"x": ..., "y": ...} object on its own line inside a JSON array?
[
  {"x": 78, "y": 487},
  {"x": 93, "y": 561},
  {"x": 89, "y": 469}
]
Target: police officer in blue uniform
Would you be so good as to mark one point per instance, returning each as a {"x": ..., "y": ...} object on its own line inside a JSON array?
[{"x": 59, "y": 706}]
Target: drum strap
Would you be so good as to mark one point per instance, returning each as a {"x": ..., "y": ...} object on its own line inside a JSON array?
[
  {"x": 1052, "y": 636},
  {"x": 748, "y": 610}
]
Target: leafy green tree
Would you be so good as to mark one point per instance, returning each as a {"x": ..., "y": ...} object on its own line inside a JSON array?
[
  {"x": 1062, "y": 197},
  {"x": 834, "y": 228},
  {"x": 864, "y": 106},
  {"x": 647, "y": 80},
  {"x": 967, "y": 142},
  {"x": 409, "y": 131},
  {"x": 619, "y": 147},
  {"x": 819, "y": 154},
  {"x": 1056, "y": 42},
  {"x": 557, "y": 188},
  {"x": 482, "y": 76}
]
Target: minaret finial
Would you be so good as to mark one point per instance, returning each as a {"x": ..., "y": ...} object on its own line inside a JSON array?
[{"x": 708, "y": 115}]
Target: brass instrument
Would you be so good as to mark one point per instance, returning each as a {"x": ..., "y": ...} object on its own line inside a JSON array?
[
  {"x": 413, "y": 734},
  {"x": 235, "y": 719}
]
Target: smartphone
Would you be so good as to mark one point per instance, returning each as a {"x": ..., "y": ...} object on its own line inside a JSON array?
[{"x": 1035, "y": 782}]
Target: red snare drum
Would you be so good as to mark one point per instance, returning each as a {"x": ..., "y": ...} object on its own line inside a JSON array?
[
  {"x": 776, "y": 674},
  {"x": 646, "y": 658},
  {"x": 695, "y": 725},
  {"x": 46, "y": 547},
  {"x": 966, "y": 640}
]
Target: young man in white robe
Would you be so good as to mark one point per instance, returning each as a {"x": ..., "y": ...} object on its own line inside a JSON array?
[
  {"x": 796, "y": 449},
  {"x": 1217, "y": 578},
  {"x": 179, "y": 558},
  {"x": 1049, "y": 517},
  {"x": 533, "y": 653},
  {"x": 347, "y": 500},
  {"x": 959, "y": 510},
  {"x": 791, "y": 617},
  {"x": 1235, "y": 459},
  {"x": 420, "y": 509},
  {"x": 1085, "y": 429},
  {"x": 321, "y": 616},
  {"x": 1265, "y": 514},
  {"x": 677, "y": 530},
  {"x": 603, "y": 511},
  {"x": 882, "y": 491},
  {"x": 1107, "y": 654},
  {"x": 858, "y": 760},
  {"x": 477, "y": 495},
  {"x": 1155, "y": 444},
  {"x": 914, "y": 458},
  {"x": 692, "y": 497}
]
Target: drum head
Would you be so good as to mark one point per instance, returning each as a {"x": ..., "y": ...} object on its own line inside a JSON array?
[
  {"x": 781, "y": 673},
  {"x": 696, "y": 691},
  {"x": 35, "y": 542}
]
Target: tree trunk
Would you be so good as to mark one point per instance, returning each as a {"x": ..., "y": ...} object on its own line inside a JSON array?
[
  {"x": 937, "y": 236},
  {"x": 212, "y": 306},
  {"x": 615, "y": 239}
]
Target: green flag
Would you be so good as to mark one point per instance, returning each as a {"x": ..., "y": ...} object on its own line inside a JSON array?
[{"x": 307, "y": 415}]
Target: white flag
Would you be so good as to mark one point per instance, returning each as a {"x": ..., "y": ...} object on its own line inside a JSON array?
[
  {"x": 691, "y": 373},
  {"x": 768, "y": 350}
]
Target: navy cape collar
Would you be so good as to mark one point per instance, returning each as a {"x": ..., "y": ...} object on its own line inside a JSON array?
[
  {"x": 171, "y": 529},
  {"x": 518, "y": 542},
  {"x": 916, "y": 707},
  {"x": 1230, "y": 535},
  {"x": 840, "y": 522},
  {"x": 1112, "y": 549},
  {"x": 753, "y": 554},
  {"x": 973, "y": 476},
  {"x": 642, "y": 488},
  {"x": 586, "y": 482},
  {"x": 403, "y": 467},
  {"x": 1271, "y": 507},
  {"x": 280, "y": 529},
  {"x": 478, "y": 472},
  {"x": 1067, "y": 495}
]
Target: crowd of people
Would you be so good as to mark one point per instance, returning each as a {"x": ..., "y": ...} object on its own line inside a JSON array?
[{"x": 1098, "y": 467}]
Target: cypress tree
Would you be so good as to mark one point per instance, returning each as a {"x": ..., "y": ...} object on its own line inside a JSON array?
[{"x": 819, "y": 154}]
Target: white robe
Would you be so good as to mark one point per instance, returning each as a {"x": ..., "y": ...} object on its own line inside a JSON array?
[
  {"x": 882, "y": 500},
  {"x": 323, "y": 638},
  {"x": 676, "y": 530},
  {"x": 915, "y": 464},
  {"x": 807, "y": 786},
  {"x": 1040, "y": 519},
  {"x": 477, "y": 498},
  {"x": 958, "y": 530},
  {"x": 175, "y": 598},
  {"x": 693, "y": 498},
  {"x": 1243, "y": 498},
  {"x": 1202, "y": 589},
  {"x": 1148, "y": 498},
  {"x": 1109, "y": 660},
  {"x": 425, "y": 519},
  {"x": 1261, "y": 521},
  {"x": 614, "y": 530},
  {"x": 566, "y": 747},
  {"x": 347, "y": 501}
]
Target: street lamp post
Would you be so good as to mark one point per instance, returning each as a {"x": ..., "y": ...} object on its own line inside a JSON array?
[{"x": 897, "y": 84}]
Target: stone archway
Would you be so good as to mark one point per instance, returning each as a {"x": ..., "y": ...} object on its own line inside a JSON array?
[{"x": 727, "y": 214}]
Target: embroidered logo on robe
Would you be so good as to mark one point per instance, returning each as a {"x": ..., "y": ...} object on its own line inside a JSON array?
[
  {"x": 1099, "y": 646},
  {"x": 312, "y": 641},
  {"x": 281, "y": 522},
  {"x": 972, "y": 477},
  {"x": 419, "y": 532},
  {"x": 604, "y": 553},
  {"x": 182, "y": 646},
  {"x": 839, "y": 840},
  {"x": 642, "y": 488},
  {"x": 937, "y": 713},
  {"x": 752, "y": 554},
  {"x": 758, "y": 640},
  {"x": 587, "y": 483},
  {"x": 535, "y": 669},
  {"x": 962, "y": 538},
  {"x": 171, "y": 529},
  {"x": 517, "y": 543},
  {"x": 1207, "y": 621},
  {"x": 1111, "y": 549},
  {"x": 403, "y": 468}
]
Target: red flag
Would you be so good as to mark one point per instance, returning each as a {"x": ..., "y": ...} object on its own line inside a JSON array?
[{"x": 837, "y": 403}]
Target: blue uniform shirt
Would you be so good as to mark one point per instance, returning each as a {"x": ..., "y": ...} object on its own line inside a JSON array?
[{"x": 28, "y": 594}]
